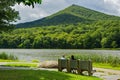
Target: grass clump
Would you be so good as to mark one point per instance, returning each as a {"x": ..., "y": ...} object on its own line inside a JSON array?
[
  {"x": 5, "y": 56},
  {"x": 114, "y": 61},
  {"x": 41, "y": 75},
  {"x": 35, "y": 61}
]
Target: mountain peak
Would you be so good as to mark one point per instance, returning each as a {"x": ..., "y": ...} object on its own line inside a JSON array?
[{"x": 71, "y": 15}]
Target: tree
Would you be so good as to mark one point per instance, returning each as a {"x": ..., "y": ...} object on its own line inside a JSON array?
[
  {"x": 29, "y": 2},
  {"x": 7, "y": 14}
]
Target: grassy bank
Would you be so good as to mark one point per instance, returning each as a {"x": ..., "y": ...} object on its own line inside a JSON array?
[
  {"x": 41, "y": 75},
  {"x": 106, "y": 66},
  {"x": 6, "y": 56}
]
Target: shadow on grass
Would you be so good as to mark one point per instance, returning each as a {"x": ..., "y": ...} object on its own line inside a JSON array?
[
  {"x": 32, "y": 75},
  {"x": 41, "y": 75}
]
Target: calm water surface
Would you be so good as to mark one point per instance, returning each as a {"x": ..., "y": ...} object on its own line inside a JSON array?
[{"x": 52, "y": 54}]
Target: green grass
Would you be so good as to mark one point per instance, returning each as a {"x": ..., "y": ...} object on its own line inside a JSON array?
[
  {"x": 2, "y": 60},
  {"x": 35, "y": 60},
  {"x": 107, "y": 66},
  {"x": 21, "y": 64},
  {"x": 41, "y": 75}
]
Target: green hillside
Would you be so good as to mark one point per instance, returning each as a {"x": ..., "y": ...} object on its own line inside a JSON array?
[{"x": 71, "y": 15}]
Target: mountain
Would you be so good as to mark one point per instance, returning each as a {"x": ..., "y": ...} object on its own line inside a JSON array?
[
  {"x": 70, "y": 15},
  {"x": 75, "y": 27}
]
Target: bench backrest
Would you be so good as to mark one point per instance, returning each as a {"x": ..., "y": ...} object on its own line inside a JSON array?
[
  {"x": 62, "y": 63},
  {"x": 85, "y": 65},
  {"x": 73, "y": 64}
]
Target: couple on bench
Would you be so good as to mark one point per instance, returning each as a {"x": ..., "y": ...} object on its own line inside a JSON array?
[
  {"x": 75, "y": 66},
  {"x": 71, "y": 58}
]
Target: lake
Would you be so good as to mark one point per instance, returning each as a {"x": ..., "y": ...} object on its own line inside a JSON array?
[{"x": 52, "y": 54}]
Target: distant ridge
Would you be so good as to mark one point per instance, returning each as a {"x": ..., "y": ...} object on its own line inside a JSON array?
[{"x": 70, "y": 15}]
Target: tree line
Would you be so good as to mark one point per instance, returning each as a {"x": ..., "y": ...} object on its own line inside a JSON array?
[{"x": 77, "y": 36}]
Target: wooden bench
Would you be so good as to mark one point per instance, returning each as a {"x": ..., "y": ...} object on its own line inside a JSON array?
[
  {"x": 62, "y": 64},
  {"x": 85, "y": 66},
  {"x": 72, "y": 66},
  {"x": 78, "y": 65}
]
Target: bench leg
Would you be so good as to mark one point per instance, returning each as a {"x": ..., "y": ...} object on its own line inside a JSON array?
[
  {"x": 60, "y": 69},
  {"x": 90, "y": 73},
  {"x": 79, "y": 71}
]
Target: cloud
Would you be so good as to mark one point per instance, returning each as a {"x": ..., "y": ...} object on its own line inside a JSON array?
[
  {"x": 113, "y": 6},
  {"x": 29, "y": 14},
  {"x": 49, "y": 7}
]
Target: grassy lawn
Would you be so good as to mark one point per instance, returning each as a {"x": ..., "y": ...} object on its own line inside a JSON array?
[
  {"x": 107, "y": 66},
  {"x": 41, "y": 75},
  {"x": 22, "y": 64},
  {"x": 2, "y": 60}
]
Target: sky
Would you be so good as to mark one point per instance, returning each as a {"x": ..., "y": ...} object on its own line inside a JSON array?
[{"x": 48, "y": 7}]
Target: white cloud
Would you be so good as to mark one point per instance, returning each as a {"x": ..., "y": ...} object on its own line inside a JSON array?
[
  {"x": 107, "y": 6},
  {"x": 29, "y": 14},
  {"x": 114, "y": 6},
  {"x": 49, "y": 7}
]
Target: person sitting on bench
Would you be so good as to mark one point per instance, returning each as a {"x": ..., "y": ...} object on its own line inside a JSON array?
[
  {"x": 63, "y": 57},
  {"x": 72, "y": 57}
]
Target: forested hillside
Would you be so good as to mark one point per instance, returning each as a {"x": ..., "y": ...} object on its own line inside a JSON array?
[
  {"x": 98, "y": 35},
  {"x": 72, "y": 28}
]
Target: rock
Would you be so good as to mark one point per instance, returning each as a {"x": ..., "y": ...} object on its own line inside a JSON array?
[{"x": 48, "y": 64}]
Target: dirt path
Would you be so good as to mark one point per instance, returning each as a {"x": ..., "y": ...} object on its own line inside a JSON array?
[
  {"x": 109, "y": 71},
  {"x": 107, "y": 74}
]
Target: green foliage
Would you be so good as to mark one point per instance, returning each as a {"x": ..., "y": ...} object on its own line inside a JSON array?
[
  {"x": 29, "y": 2},
  {"x": 7, "y": 15},
  {"x": 77, "y": 36},
  {"x": 5, "y": 56},
  {"x": 41, "y": 75}
]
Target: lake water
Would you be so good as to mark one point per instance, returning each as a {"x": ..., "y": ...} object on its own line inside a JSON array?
[{"x": 52, "y": 54}]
